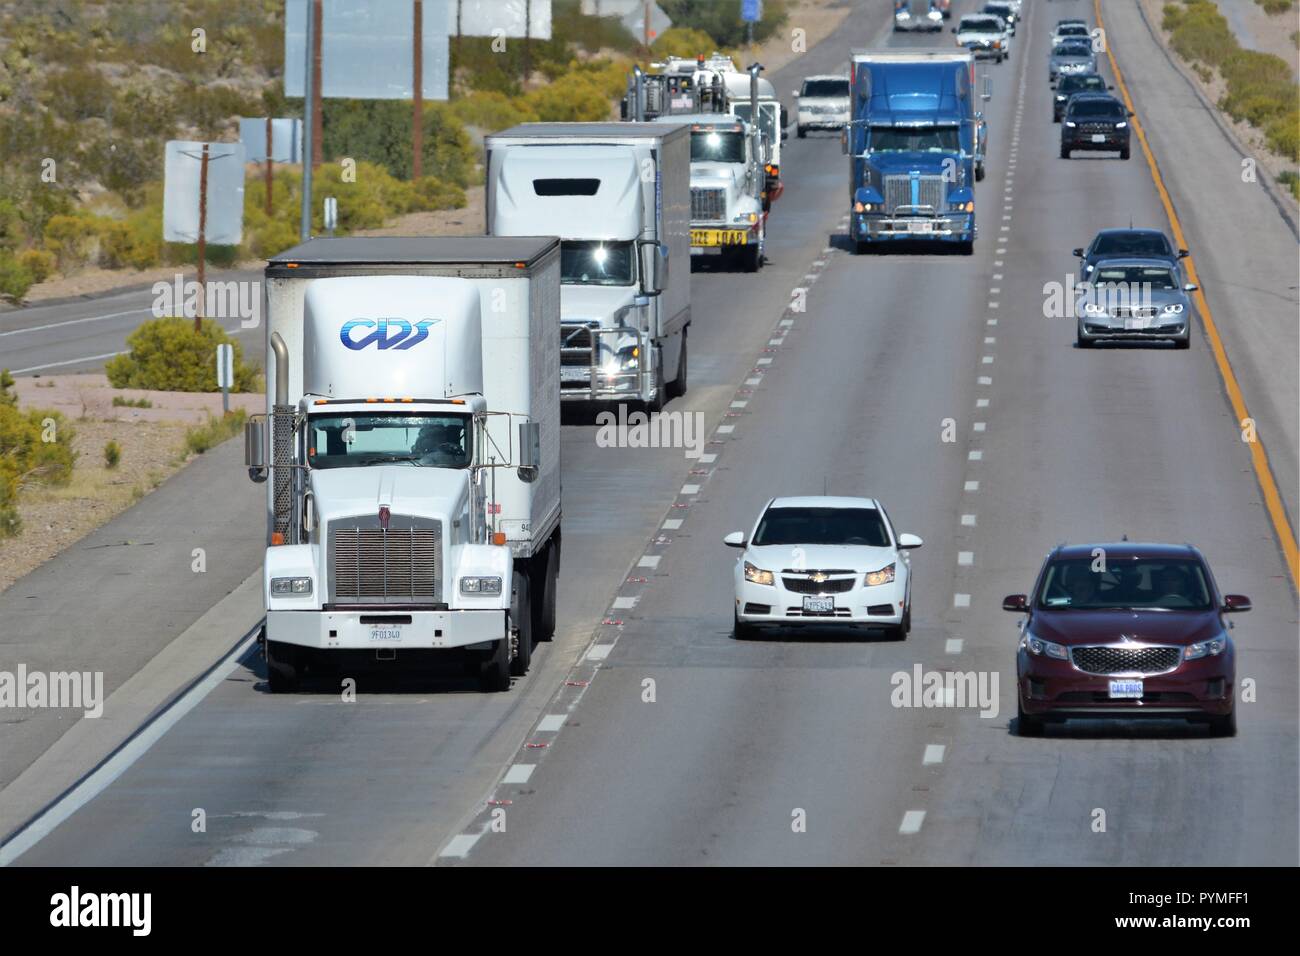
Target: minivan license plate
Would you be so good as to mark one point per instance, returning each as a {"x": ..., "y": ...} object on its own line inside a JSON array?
[
  {"x": 1126, "y": 690},
  {"x": 818, "y": 605}
]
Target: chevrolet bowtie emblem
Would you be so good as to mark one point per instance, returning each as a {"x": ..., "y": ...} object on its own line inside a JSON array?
[{"x": 818, "y": 577}]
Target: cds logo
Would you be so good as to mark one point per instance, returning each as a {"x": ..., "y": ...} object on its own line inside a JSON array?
[{"x": 387, "y": 334}]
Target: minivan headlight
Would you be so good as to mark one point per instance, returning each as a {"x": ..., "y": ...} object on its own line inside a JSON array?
[
  {"x": 1211, "y": 648},
  {"x": 1041, "y": 648}
]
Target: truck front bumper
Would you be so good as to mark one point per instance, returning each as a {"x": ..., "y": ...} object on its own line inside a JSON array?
[
  {"x": 391, "y": 628},
  {"x": 956, "y": 227},
  {"x": 583, "y": 377},
  {"x": 715, "y": 239}
]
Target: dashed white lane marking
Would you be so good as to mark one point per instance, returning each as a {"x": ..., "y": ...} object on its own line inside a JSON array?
[
  {"x": 933, "y": 754},
  {"x": 995, "y": 291},
  {"x": 961, "y": 600},
  {"x": 726, "y": 429},
  {"x": 990, "y": 340},
  {"x": 690, "y": 489},
  {"x": 672, "y": 524},
  {"x": 912, "y": 821},
  {"x": 994, "y": 305},
  {"x": 987, "y": 360},
  {"x": 787, "y": 322},
  {"x": 997, "y": 275},
  {"x": 952, "y": 645},
  {"x": 981, "y": 403},
  {"x": 979, "y": 426},
  {"x": 965, "y": 557},
  {"x": 708, "y": 459},
  {"x": 992, "y": 322},
  {"x": 968, "y": 521},
  {"x": 775, "y": 341},
  {"x": 976, "y": 455},
  {"x": 971, "y": 486},
  {"x": 764, "y": 361},
  {"x": 598, "y": 652},
  {"x": 519, "y": 773},
  {"x": 649, "y": 561},
  {"x": 740, "y": 404},
  {"x": 459, "y": 846},
  {"x": 997, "y": 262},
  {"x": 551, "y": 723},
  {"x": 985, "y": 380},
  {"x": 626, "y": 603}
]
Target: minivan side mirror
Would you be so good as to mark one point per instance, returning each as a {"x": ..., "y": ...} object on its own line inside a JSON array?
[
  {"x": 1015, "y": 602},
  {"x": 735, "y": 540},
  {"x": 1183, "y": 253},
  {"x": 1235, "y": 603}
]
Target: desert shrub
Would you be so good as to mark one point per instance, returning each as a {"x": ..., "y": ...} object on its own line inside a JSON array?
[
  {"x": 168, "y": 355},
  {"x": 1283, "y": 135},
  {"x": 492, "y": 111},
  {"x": 1274, "y": 7},
  {"x": 203, "y": 438},
  {"x": 78, "y": 92},
  {"x": 683, "y": 41},
  {"x": 26, "y": 457},
  {"x": 15, "y": 280},
  {"x": 380, "y": 132},
  {"x": 112, "y": 454},
  {"x": 721, "y": 21},
  {"x": 577, "y": 99},
  {"x": 73, "y": 239},
  {"x": 38, "y": 263},
  {"x": 1198, "y": 31}
]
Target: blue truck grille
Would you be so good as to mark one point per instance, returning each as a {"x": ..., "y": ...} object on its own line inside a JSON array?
[{"x": 929, "y": 194}]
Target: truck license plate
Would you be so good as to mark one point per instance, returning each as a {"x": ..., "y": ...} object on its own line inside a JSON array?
[
  {"x": 575, "y": 373},
  {"x": 718, "y": 237},
  {"x": 920, "y": 225},
  {"x": 1098, "y": 138},
  {"x": 1126, "y": 690},
  {"x": 818, "y": 605},
  {"x": 385, "y": 634}
]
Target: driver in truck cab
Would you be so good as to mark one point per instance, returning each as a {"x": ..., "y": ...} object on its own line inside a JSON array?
[{"x": 441, "y": 444}]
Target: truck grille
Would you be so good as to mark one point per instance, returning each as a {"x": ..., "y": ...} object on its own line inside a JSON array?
[
  {"x": 576, "y": 352},
  {"x": 809, "y": 586},
  {"x": 1125, "y": 660},
  {"x": 708, "y": 204},
  {"x": 400, "y": 565},
  {"x": 930, "y": 194}
]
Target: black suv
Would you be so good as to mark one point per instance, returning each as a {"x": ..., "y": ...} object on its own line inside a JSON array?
[
  {"x": 1074, "y": 83},
  {"x": 1095, "y": 121}
]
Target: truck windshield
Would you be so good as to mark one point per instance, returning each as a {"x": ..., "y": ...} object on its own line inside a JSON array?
[
  {"x": 766, "y": 117},
  {"x": 929, "y": 139},
  {"x": 597, "y": 263},
  {"x": 825, "y": 88},
  {"x": 717, "y": 147},
  {"x": 385, "y": 438}
]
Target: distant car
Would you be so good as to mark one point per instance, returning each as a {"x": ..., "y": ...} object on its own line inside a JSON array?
[
  {"x": 1071, "y": 30},
  {"x": 1070, "y": 57},
  {"x": 1074, "y": 83},
  {"x": 1004, "y": 9},
  {"x": 944, "y": 7},
  {"x": 917, "y": 16},
  {"x": 1134, "y": 300},
  {"x": 986, "y": 36},
  {"x": 823, "y": 560},
  {"x": 1128, "y": 244},
  {"x": 1095, "y": 121},
  {"x": 1125, "y": 630},
  {"x": 823, "y": 103}
]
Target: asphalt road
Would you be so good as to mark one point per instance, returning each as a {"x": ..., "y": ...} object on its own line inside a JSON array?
[{"x": 744, "y": 739}]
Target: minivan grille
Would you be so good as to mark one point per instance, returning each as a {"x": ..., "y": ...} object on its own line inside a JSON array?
[
  {"x": 400, "y": 565},
  {"x": 929, "y": 194},
  {"x": 1125, "y": 660},
  {"x": 708, "y": 204}
]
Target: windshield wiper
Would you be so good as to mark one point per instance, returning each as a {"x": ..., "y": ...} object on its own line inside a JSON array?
[{"x": 386, "y": 459}]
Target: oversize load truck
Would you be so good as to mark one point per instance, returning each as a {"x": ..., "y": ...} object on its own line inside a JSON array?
[
  {"x": 413, "y": 501},
  {"x": 916, "y": 147},
  {"x": 618, "y": 196}
]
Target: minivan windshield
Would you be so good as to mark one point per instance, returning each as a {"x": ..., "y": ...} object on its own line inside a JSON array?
[
  {"x": 858, "y": 526},
  {"x": 1085, "y": 584}
]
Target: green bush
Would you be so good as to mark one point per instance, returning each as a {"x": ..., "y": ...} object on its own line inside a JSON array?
[
  {"x": 579, "y": 99},
  {"x": 205, "y": 437},
  {"x": 14, "y": 279},
  {"x": 1274, "y": 7},
  {"x": 1291, "y": 180},
  {"x": 25, "y": 456},
  {"x": 380, "y": 132},
  {"x": 112, "y": 454},
  {"x": 491, "y": 110},
  {"x": 721, "y": 21},
  {"x": 1283, "y": 136},
  {"x": 683, "y": 41},
  {"x": 38, "y": 263},
  {"x": 168, "y": 355},
  {"x": 73, "y": 239}
]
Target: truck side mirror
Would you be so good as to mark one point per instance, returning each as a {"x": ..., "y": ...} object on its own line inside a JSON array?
[
  {"x": 988, "y": 87},
  {"x": 255, "y": 448},
  {"x": 652, "y": 267},
  {"x": 530, "y": 450},
  {"x": 844, "y": 140}
]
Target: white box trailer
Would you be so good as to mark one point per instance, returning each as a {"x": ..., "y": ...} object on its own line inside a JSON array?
[
  {"x": 618, "y": 196},
  {"x": 516, "y": 282}
]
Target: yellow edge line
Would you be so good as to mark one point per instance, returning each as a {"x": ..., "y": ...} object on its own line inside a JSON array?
[{"x": 1258, "y": 456}]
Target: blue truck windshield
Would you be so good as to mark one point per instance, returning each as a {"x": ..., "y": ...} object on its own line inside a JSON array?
[{"x": 929, "y": 139}]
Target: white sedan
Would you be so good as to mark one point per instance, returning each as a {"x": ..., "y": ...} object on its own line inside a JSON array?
[{"x": 823, "y": 560}]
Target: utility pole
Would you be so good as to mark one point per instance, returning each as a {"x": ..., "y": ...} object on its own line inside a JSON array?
[
  {"x": 317, "y": 129},
  {"x": 308, "y": 133},
  {"x": 269, "y": 153},
  {"x": 203, "y": 238},
  {"x": 417, "y": 117}
]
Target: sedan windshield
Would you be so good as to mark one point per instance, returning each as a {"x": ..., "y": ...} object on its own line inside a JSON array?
[
  {"x": 1152, "y": 277},
  {"x": 1155, "y": 583},
  {"x": 931, "y": 139},
  {"x": 862, "y": 526},
  {"x": 597, "y": 263},
  {"x": 825, "y": 88},
  {"x": 717, "y": 147},
  {"x": 381, "y": 438},
  {"x": 1072, "y": 49},
  {"x": 1076, "y": 84},
  {"x": 1072, "y": 30},
  {"x": 1132, "y": 244},
  {"x": 980, "y": 25}
]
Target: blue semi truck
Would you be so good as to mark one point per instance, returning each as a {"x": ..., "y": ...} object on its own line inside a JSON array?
[{"x": 916, "y": 145}]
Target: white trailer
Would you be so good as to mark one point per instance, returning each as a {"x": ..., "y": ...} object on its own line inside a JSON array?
[
  {"x": 413, "y": 390},
  {"x": 618, "y": 196}
]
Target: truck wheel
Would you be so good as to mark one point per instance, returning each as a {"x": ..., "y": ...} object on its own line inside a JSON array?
[
  {"x": 1065, "y": 152},
  {"x": 521, "y": 617},
  {"x": 678, "y": 387},
  {"x": 549, "y": 590},
  {"x": 802, "y": 132},
  {"x": 966, "y": 248},
  {"x": 494, "y": 676},
  {"x": 979, "y": 173},
  {"x": 282, "y": 668},
  {"x": 860, "y": 247}
]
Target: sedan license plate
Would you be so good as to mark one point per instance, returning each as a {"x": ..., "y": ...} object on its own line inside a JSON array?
[
  {"x": 818, "y": 605},
  {"x": 1126, "y": 690},
  {"x": 386, "y": 634},
  {"x": 1098, "y": 138},
  {"x": 920, "y": 225},
  {"x": 1134, "y": 325},
  {"x": 718, "y": 237}
]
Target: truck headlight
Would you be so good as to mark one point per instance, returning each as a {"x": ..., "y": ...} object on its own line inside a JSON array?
[
  {"x": 1041, "y": 648},
  {"x": 756, "y": 575},
  {"x": 480, "y": 585},
  {"x": 884, "y": 576},
  {"x": 750, "y": 217},
  {"x": 1211, "y": 648},
  {"x": 626, "y": 359},
  {"x": 291, "y": 586}
]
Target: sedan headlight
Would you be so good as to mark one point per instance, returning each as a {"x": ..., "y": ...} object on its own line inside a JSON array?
[
  {"x": 291, "y": 586},
  {"x": 1121, "y": 125},
  {"x": 884, "y": 576},
  {"x": 756, "y": 575},
  {"x": 1071, "y": 124},
  {"x": 1041, "y": 648},
  {"x": 1174, "y": 308},
  {"x": 1092, "y": 308},
  {"x": 1211, "y": 648},
  {"x": 480, "y": 585}
]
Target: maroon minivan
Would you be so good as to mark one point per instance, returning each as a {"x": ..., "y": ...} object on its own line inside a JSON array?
[{"x": 1125, "y": 630}]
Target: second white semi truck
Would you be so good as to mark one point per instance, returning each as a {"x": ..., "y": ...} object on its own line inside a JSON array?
[
  {"x": 618, "y": 196},
  {"x": 413, "y": 501}
]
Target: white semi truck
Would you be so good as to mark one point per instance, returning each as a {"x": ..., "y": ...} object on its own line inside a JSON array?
[
  {"x": 728, "y": 182},
  {"x": 413, "y": 502},
  {"x": 618, "y": 196}
]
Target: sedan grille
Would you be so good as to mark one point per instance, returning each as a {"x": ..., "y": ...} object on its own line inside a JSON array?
[
  {"x": 809, "y": 586},
  {"x": 400, "y": 565},
  {"x": 1125, "y": 660},
  {"x": 929, "y": 194},
  {"x": 708, "y": 204}
]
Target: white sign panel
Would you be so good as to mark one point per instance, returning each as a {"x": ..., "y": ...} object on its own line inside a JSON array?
[
  {"x": 225, "y": 366},
  {"x": 367, "y": 48},
  {"x": 634, "y": 21},
  {"x": 225, "y": 219},
  {"x": 286, "y": 139},
  {"x": 483, "y": 18},
  {"x": 609, "y": 8}
]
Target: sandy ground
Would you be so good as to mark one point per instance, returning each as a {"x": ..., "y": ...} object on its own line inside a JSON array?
[
  {"x": 1271, "y": 29},
  {"x": 151, "y": 440},
  {"x": 818, "y": 19}
]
